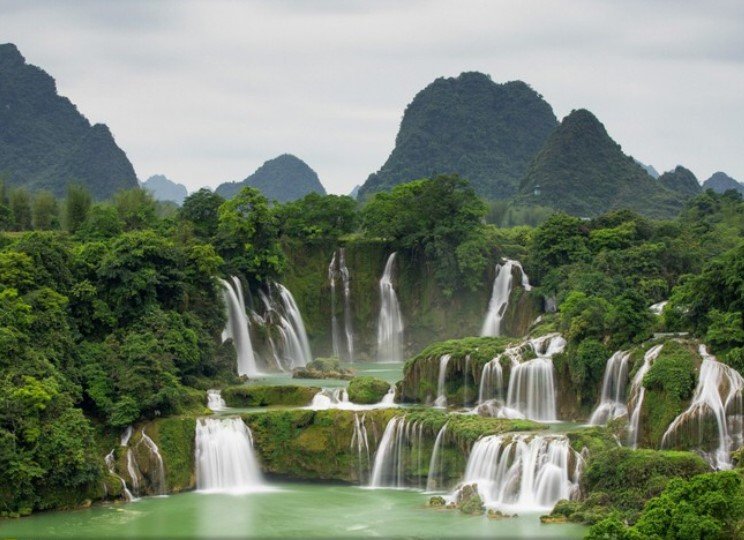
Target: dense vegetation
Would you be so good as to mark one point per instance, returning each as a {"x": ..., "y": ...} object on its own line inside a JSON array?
[
  {"x": 284, "y": 178},
  {"x": 469, "y": 125},
  {"x": 45, "y": 143}
]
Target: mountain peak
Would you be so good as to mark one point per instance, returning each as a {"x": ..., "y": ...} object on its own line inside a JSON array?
[
  {"x": 681, "y": 180},
  {"x": 164, "y": 189},
  {"x": 484, "y": 131},
  {"x": 720, "y": 182},
  {"x": 283, "y": 178}
]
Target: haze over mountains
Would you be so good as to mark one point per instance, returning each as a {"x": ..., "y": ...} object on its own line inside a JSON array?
[
  {"x": 44, "y": 140},
  {"x": 503, "y": 138}
]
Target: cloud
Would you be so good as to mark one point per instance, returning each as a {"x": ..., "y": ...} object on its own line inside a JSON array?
[{"x": 207, "y": 91}]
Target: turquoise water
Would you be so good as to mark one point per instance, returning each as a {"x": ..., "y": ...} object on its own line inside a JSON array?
[
  {"x": 298, "y": 510},
  {"x": 391, "y": 373}
]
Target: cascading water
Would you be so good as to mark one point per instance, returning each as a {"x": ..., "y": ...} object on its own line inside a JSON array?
[
  {"x": 531, "y": 385},
  {"x": 330, "y": 398},
  {"x": 158, "y": 479},
  {"x": 215, "y": 402},
  {"x": 133, "y": 472},
  {"x": 441, "y": 400},
  {"x": 225, "y": 461},
  {"x": 298, "y": 354},
  {"x": 523, "y": 471},
  {"x": 360, "y": 443},
  {"x": 637, "y": 393},
  {"x": 400, "y": 442},
  {"x": 502, "y": 287},
  {"x": 718, "y": 397},
  {"x": 338, "y": 269},
  {"x": 436, "y": 464},
  {"x": 237, "y": 327},
  {"x": 658, "y": 308},
  {"x": 491, "y": 381},
  {"x": 390, "y": 320},
  {"x": 612, "y": 402},
  {"x": 111, "y": 466}
]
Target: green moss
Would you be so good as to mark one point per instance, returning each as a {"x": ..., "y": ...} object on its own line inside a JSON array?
[
  {"x": 594, "y": 439},
  {"x": 622, "y": 480},
  {"x": 263, "y": 396},
  {"x": 367, "y": 390},
  {"x": 175, "y": 438},
  {"x": 669, "y": 386}
]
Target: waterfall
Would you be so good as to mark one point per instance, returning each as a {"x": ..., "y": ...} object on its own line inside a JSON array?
[
  {"x": 299, "y": 354},
  {"x": 531, "y": 384},
  {"x": 638, "y": 392},
  {"x": 390, "y": 321},
  {"x": 126, "y": 435},
  {"x": 436, "y": 464},
  {"x": 502, "y": 287},
  {"x": 718, "y": 397},
  {"x": 215, "y": 401},
  {"x": 360, "y": 443},
  {"x": 388, "y": 400},
  {"x": 400, "y": 440},
  {"x": 523, "y": 471},
  {"x": 465, "y": 374},
  {"x": 111, "y": 466},
  {"x": 441, "y": 400},
  {"x": 337, "y": 269},
  {"x": 132, "y": 471},
  {"x": 158, "y": 485},
  {"x": 225, "y": 461},
  {"x": 612, "y": 402},
  {"x": 237, "y": 327},
  {"x": 658, "y": 308},
  {"x": 491, "y": 381},
  {"x": 330, "y": 398}
]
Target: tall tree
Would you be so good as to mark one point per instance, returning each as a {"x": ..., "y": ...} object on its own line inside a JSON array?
[
  {"x": 77, "y": 206},
  {"x": 20, "y": 207},
  {"x": 46, "y": 211}
]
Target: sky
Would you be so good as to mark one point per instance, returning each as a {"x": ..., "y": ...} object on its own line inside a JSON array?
[{"x": 205, "y": 92}]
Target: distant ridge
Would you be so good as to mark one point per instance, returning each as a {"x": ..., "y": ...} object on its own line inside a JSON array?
[
  {"x": 284, "y": 178},
  {"x": 45, "y": 143},
  {"x": 682, "y": 181},
  {"x": 721, "y": 182},
  {"x": 581, "y": 170},
  {"x": 486, "y": 132},
  {"x": 164, "y": 189}
]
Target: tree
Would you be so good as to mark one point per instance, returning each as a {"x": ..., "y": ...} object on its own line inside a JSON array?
[
  {"x": 77, "y": 205},
  {"x": 102, "y": 222},
  {"x": 247, "y": 237},
  {"x": 317, "y": 216},
  {"x": 20, "y": 208},
  {"x": 46, "y": 211},
  {"x": 136, "y": 207},
  {"x": 202, "y": 209},
  {"x": 561, "y": 240}
]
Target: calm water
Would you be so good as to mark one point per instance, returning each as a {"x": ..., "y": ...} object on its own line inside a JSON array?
[
  {"x": 392, "y": 373},
  {"x": 298, "y": 510}
]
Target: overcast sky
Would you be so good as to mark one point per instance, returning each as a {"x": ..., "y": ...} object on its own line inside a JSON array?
[{"x": 204, "y": 92}]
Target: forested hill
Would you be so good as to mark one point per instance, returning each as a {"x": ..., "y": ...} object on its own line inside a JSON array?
[
  {"x": 164, "y": 189},
  {"x": 45, "y": 143},
  {"x": 469, "y": 125},
  {"x": 582, "y": 171},
  {"x": 721, "y": 182},
  {"x": 681, "y": 180},
  {"x": 284, "y": 178}
]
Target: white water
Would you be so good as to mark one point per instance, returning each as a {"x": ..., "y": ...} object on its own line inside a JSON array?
[
  {"x": 360, "y": 443},
  {"x": 215, "y": 401},
  {"x": 436, "y": 464},
  {"x": 637, "y": 393},
  {"x": 718, "y": 396},
  {"x": 441, "y": 400},
  {"x": 237, "y": 327},
  {"x": 338, "y": 398},
  {"x": 502, "y": 287},
  {"x": 158, "y": 485},
  {"x": 400, "y": 440},
  {"x": 491, "y": 381},
  {"x": 612, "y": 401},
  {"x": 531, "y": 383},
  {"x": 338, "y": 269},
  {"x": 523, "y": 471},
  {"x": 133, "y": 472},
  {"x": 111, "y": 466},
  {"x": 225, "y": 461},
  {"x": 126, "y": 435},
  {"x": 390, "y": 320},
  {"x": 658, "y": 308},
  {"x": 298, "y": 347}
]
